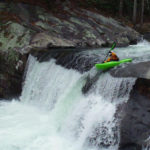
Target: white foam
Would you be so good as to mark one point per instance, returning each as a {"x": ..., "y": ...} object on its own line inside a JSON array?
[{"x": 53, "y": 114}]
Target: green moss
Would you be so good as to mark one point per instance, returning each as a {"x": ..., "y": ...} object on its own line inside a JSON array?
[
  {"x": 4, "y": 24},
  {"x": 12, "y": 56},
  {"x": 6, "y": 34},
  {"x": 89, "y": 34},
  {"x": 79, "y": 22},
  {"x": 19, "y": 39},
  {"x": 14, "y": 35}
]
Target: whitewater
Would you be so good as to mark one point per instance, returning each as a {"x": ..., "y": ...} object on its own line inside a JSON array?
[{"x": 53, "y": 114}]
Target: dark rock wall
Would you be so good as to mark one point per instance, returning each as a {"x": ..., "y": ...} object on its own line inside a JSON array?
[
  {"x": 135, "y": 125},
  {"x": 139, "y": 70},
  {"x": 11, "y": 73},
  {"x": 70, "y": 59}
]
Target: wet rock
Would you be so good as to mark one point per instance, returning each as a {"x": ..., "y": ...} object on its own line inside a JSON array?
[
  {"x": 139, "y": 70},
  {"x": 131, "y": 146},
  {"x": 101, "y": 138},
  {"x": 12, "y": 63},
  {"x": 135, "y": 128},
  {"x": 74, "y": 26},
  {"x": 43, "y": 40},
  {"x": 26, "y": 28},
  {"x": 147, "y": 36},
  {"x": 11, "y": 72}
]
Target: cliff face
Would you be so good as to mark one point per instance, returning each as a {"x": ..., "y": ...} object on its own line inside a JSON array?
[
  {"x": 135, "y": 118},
  {"x": 135, "y": 122},
  {"x": 25, "y": 26},
  {"x": 11, "y": 70}
]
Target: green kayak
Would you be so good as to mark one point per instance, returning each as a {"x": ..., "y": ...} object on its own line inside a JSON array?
[{"x": 108, "y": 65}]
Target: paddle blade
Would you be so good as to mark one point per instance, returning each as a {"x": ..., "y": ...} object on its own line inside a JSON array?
[{"x": 113, "y": 46}]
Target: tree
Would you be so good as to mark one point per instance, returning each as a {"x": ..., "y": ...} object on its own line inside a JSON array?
[
  {"x": 134, "y": 11},
  {"x": 121, "y": 8},
  {"x": 142, "y": 12}
]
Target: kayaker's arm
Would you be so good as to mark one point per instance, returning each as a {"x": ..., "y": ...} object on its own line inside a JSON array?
[{"x": 109, "y": 52}]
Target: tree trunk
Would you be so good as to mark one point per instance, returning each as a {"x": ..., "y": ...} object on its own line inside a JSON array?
[
  {"x": 134, "y": 12},
  {"x": 142, "y": 12},
  {"x": 121, "y": 8}
]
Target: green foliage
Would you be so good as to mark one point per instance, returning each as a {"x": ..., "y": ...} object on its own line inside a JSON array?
[
  {"x": 106, "y": 5},
  {"x": 9, "y": 60},
  {"x": 112, "y": 6},
  {"x": 9, "y": 57},
  {"x": 128, "y": 8},
  {"x": 147, "y": 7}
]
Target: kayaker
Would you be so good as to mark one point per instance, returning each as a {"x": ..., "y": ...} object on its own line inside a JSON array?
[{"x": 112, "y": 57}]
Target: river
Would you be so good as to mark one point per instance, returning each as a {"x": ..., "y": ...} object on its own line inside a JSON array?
[{"x": 53, "y": 114}]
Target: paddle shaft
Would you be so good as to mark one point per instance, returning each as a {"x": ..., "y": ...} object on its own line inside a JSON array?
[{"x": 113, "y": 46}]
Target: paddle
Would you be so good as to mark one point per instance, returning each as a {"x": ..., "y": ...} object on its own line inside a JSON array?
[
  {"x": 93, "y": 79},
  {"x": 113, "y": 46}
]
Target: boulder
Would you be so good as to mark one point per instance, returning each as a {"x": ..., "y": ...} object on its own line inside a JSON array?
[
  {"x": 147, "y": 36},
  {"x": 12, "y": 63},
  {"x": 139, "y": 70},
  {"x": 135, "y": 129},
  {"x": 11, "y": 72}
]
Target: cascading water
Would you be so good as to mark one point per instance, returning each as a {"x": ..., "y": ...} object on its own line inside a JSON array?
[{"x": 53, "y": 114}]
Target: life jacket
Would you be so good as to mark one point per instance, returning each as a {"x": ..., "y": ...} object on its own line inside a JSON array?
[{"x": 112, "y": 57}]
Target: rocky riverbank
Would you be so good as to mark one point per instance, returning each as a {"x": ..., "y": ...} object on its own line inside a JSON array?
[
  {"x": 24, "y": 27},
  {"x": 29, "y": 29}
]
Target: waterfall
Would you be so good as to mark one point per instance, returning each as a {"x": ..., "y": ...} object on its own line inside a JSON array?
[{"x": 54, "y": 114}]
